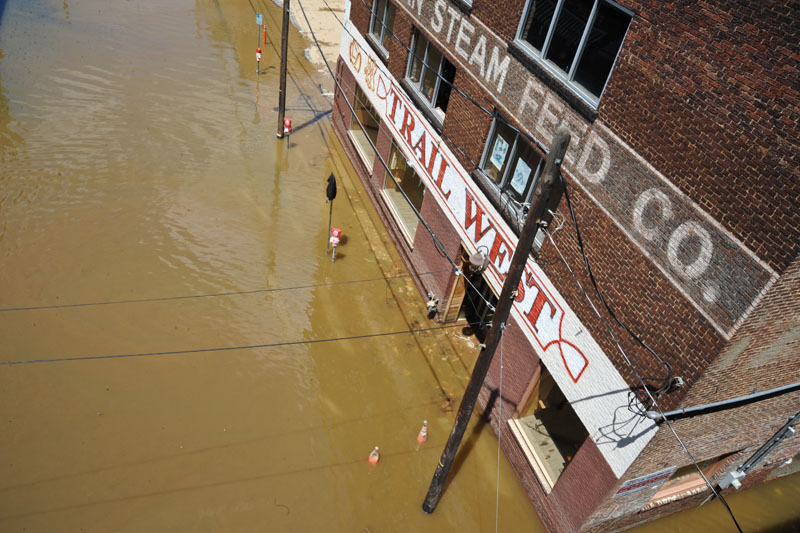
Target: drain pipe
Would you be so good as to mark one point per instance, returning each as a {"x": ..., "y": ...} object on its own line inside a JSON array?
[{"x": 686, "y": 412}]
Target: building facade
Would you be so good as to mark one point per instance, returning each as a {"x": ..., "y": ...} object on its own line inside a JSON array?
[{"x": 682, "y": 174}]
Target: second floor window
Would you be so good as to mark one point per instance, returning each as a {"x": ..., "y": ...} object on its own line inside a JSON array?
[
  {"x": 382, "y": 22},
  {"x": 578, "y": 39},
  {"x": 511, "y": 162},
  {"x": 430, "y": 73}
]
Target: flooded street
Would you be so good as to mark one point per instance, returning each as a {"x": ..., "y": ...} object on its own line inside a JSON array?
[
  {"x": 162, "y": 259},
  {"x": 177, "y": 350}
]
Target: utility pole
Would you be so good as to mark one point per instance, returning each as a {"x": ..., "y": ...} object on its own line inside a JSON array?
[
  {"x": 541, "y": 196},
  {"x": 284, "y": 50}
]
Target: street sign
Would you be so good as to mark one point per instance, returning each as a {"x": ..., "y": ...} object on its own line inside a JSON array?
[{"x": 258, "y": 19}]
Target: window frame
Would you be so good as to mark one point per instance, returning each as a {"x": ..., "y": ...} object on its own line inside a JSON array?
[
  {"x": 505, "y": 181},
  {"x": 374, "y": 19},
  {"x": 530, "y": 450},
  {"x": 408, "y": 233},
  {"x": 568, "y": 78},
  {"x": 417, "y": 85}
]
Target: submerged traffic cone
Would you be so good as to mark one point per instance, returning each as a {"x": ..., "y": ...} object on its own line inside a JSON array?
[
  {"x": 374, "y": 456},
  {"x": 422, "y": 436}
]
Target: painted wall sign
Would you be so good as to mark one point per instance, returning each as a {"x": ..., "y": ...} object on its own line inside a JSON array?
[
  {"x": 720, "y": 276},
  {"x": 644, "y": 482},
  {"x": 588, "y": 379}
]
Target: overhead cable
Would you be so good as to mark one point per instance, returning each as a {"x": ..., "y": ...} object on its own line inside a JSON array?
[
  {"x": 229, "y": 348},
  {"x": 439, "y": 245}
]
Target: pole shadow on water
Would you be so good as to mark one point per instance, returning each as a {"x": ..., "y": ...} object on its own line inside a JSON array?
[
  {"x": 469, "y": 444},
  {"x": 317, "y": 117}
]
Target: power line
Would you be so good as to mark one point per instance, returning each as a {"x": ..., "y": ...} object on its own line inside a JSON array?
[
  {"x": 416, "y": 212},
  {"x": 228, "y": 348},
  {"x": 644, "y": 386},
  {"x": 218, "y": 294},
  {"x": 666, "y": 382}
]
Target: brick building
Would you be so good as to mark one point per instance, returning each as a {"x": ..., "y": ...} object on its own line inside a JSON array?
[{"x": 682, "y": 170}]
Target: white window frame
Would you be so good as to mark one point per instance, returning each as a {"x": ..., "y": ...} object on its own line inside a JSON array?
[
  {"x": 417, "y": 85},
  {"x": 382, "y": 21},
  {"x": 568, "y": 77},
  {"x": 409, "y": 234}
]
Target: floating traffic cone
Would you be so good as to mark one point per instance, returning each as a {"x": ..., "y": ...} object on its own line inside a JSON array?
[
  {"x": 374, "y": 456},
  {"x": 422, "y": 436}
]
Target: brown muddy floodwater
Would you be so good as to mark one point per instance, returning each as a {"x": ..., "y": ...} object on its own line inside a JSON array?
[{"x": 162, "y": 276}]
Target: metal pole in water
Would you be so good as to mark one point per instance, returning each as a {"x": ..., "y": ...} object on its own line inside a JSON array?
[{"x": 284, "y": 51}]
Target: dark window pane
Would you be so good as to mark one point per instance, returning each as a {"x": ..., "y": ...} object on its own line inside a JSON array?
[
  {"x": 569, "y": 29},
  {"x": 420, "y": 44},
  {"x": 389, "y": 22},
  {"x": 433, "y": 62},
  {"x": 601, "y": 49},
  {"x": 448, "y": 75},
  {"x": 538, "y": 22}
]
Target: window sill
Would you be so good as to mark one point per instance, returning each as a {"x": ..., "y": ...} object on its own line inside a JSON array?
[
  {"x": 463, "y": 5},
  {"x": 382, "y": 53},
  {"x": 509, "y": 209},
  {"x": 354, "y": 134},
  {"x": 527, "y": 450},
  {"x": 401, "y": 226},
  {"x": 433, "y": 117},
  {"x": 586, "y": 109}
]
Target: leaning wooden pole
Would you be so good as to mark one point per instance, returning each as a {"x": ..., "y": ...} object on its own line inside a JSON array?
[{"x": 539, "y": 202}]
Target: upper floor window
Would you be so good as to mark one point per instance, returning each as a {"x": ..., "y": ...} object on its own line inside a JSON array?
[
  {"x": 511, "y": 162},
  {"x": 430, "y": 73},
  {"x": 577, "y": 39},
  {"x": 382, "y": 22}
]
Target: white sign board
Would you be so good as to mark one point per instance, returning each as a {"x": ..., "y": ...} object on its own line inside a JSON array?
[
  {"x": 644, "y": 482},
  {"x": 587, "y": 378}
]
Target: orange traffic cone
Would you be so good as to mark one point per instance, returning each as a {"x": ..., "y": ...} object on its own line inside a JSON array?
[
  {"x": 422, "y": 436},
  {"x": 374, "y": 456}
]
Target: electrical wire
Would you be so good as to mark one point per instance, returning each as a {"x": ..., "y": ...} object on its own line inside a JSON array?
[
  {"x": 439, "y": 245},
  {"x": 644, "y": 387},
  {"x": 451, "y": 84},
  {"x": 219, "y": 294},
  {"x": 499, "y": 434},
  {"x": 228, "y": 348},
  {"x": 665, "y": 382}
]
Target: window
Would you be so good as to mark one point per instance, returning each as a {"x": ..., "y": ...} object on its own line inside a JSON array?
[
  {"x": 407, "y": 182},
  {"x": 382, "y": 22},
  {"x": 687, "y": 481},
  {"x": 430, "y": 73},
  {"x": 577, "y": 39},
  {"x": 548, "y": 430},
  {"x": 511, "y": 162},
  {"x": 371, "y": 121}
]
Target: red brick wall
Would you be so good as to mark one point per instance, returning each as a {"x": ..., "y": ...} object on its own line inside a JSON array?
[
  {"x": 502, "y": 17},
  {"x": 708, "y": 92}
]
